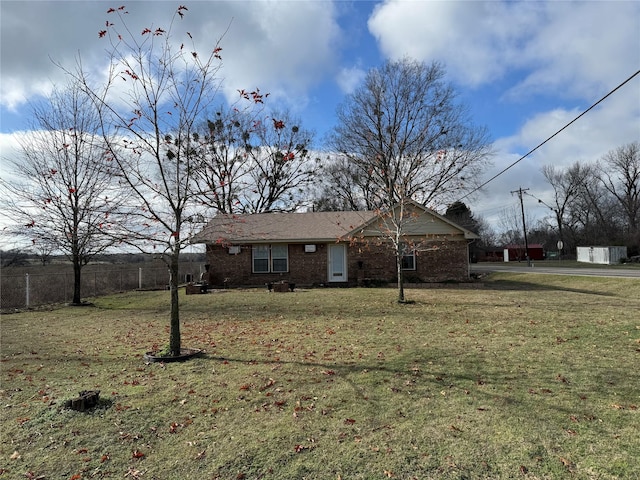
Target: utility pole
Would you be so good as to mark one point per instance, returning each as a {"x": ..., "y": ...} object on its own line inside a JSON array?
[{"x": 520, "y": 191}]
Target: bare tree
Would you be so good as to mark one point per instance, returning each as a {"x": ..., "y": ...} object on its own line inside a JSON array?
[
  {"x": 223, "y": 171},
  {"x": 619, "y": 173},
  {"x": 63, "y": 195},
  {"x": 567, "y": 185},
  {"x": 157, "y": 91},
  {"x": 281, "y": 168},
  {"x": 404, "y": 132},
  {"x": 250, "y": 165},
  {"x": 343, "y": 187}
]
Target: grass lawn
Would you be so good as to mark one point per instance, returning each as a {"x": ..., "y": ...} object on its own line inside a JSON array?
[{"x": 533, "y": 377}]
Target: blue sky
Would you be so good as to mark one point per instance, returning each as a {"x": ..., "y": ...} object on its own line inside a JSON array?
[{"x": 524, "y": 69}]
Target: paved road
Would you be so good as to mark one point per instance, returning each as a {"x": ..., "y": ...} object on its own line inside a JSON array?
[{"x": 523, "y": 268}]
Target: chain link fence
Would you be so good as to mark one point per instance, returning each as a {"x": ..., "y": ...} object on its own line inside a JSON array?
[{"x": 24, "y": 290}]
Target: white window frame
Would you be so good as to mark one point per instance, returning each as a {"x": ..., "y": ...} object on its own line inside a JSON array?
[
  {"x": 273, "y": 254},
  {"x": 408, "y": 253}
]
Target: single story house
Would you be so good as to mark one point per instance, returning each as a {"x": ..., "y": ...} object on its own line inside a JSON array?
[{"x": 333, "y": 248}]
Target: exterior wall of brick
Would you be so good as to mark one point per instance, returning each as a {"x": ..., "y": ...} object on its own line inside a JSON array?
[
  {"x": 447, "y": 261},
  {"x": 366, "y": 263}
]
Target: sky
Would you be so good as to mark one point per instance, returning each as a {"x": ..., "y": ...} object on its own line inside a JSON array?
[{"x": 524, "y": 69}]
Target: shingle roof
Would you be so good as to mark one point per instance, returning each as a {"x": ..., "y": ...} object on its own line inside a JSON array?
[{"x": 285, "y": 227}]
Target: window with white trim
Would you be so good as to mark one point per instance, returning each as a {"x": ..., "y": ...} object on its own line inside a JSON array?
[
  {"x": 270, "y": 258},
  {"x": 408, "y": 258}
]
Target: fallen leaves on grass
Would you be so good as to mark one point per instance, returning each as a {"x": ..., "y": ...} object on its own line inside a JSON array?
[
  {"x": 568, "y": 464},
  {"x": 137, "y": 454},
  {"x": 133, "y": 473},
  {"x": 32, "y": 476}
]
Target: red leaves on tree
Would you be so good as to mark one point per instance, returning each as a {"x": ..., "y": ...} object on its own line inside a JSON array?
[
  {"x": 254, "y": 96},
  {"x": 158, "y": 31},
  {"x": 278, "y": 124},
  {"x": 31, "y": 224},
  {"x": 72, "y": 190},
  {"x": 216, "y": 52},
  {"x": 180, "y": 8},
  {"x": 102, "y": 33},
  {"x": 145, "y": 31}
]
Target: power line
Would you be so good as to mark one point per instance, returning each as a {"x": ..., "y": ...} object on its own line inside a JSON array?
[{"x": 552, "y": 136}]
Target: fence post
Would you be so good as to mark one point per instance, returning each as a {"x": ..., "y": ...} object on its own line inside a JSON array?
[
  {"x": 26, "y": 280},
  {"x": 140, "y": 278}
]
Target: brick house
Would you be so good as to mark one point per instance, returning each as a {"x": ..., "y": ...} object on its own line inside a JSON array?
[{"x": 332, "y": 248}]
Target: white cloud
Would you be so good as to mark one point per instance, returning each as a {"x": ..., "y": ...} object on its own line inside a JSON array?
[
  {"x": 582, "y": 44},
  {"x": 476, "y": 40},
  {"x": 280, "y": 47},
  {"x": 349, "y": 79}
]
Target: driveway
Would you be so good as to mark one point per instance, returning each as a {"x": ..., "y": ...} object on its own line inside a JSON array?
[{"x": 523, "y": 268}]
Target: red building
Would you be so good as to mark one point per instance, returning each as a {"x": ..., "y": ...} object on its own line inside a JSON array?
[{"x": 518, "y": 252}]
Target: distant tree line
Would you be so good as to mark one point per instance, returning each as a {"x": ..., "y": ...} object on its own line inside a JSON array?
[{"x": 594, "y": 203}]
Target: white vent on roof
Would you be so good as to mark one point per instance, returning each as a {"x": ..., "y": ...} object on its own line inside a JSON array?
[{"x": 234, "y": 249}]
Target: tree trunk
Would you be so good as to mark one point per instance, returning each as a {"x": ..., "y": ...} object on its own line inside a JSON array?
[
  {"x": 77, "y": 269},
  {"x": 401, "y": 298},
  {"x": 174, "y": 335}
]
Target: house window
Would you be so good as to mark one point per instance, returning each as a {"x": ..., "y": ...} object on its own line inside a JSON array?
[
  {"x": 261, "y": 258},
  {"x": 408, "y": 258},
  {"x": 270, "y": 258},
  {"x": 279, "y": 258}
]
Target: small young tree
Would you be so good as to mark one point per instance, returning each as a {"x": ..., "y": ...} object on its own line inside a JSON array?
[
  {"x": 158, "y": 89},
  {"x": 62, "y": 193},
  {"x": 403, "y": 131}
]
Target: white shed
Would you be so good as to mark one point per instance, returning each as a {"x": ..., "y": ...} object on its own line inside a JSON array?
[{"x": 601, "y": 255}]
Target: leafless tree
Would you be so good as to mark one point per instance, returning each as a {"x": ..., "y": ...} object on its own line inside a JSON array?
[
  {"x": 158, "y": 89},
  {"x": 255, "y": 162},
  {"x": 567, "y": 185},
  {"x": 403, "y": 131},
  {"x": 223, "y": 170},
  {"x": 62, "y": 194},
  {"x": 619, "y": 173},
  {"x": 281, "y": 167}
]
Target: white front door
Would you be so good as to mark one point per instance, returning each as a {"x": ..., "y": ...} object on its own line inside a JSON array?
[{"x": 337, "y": 263}]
